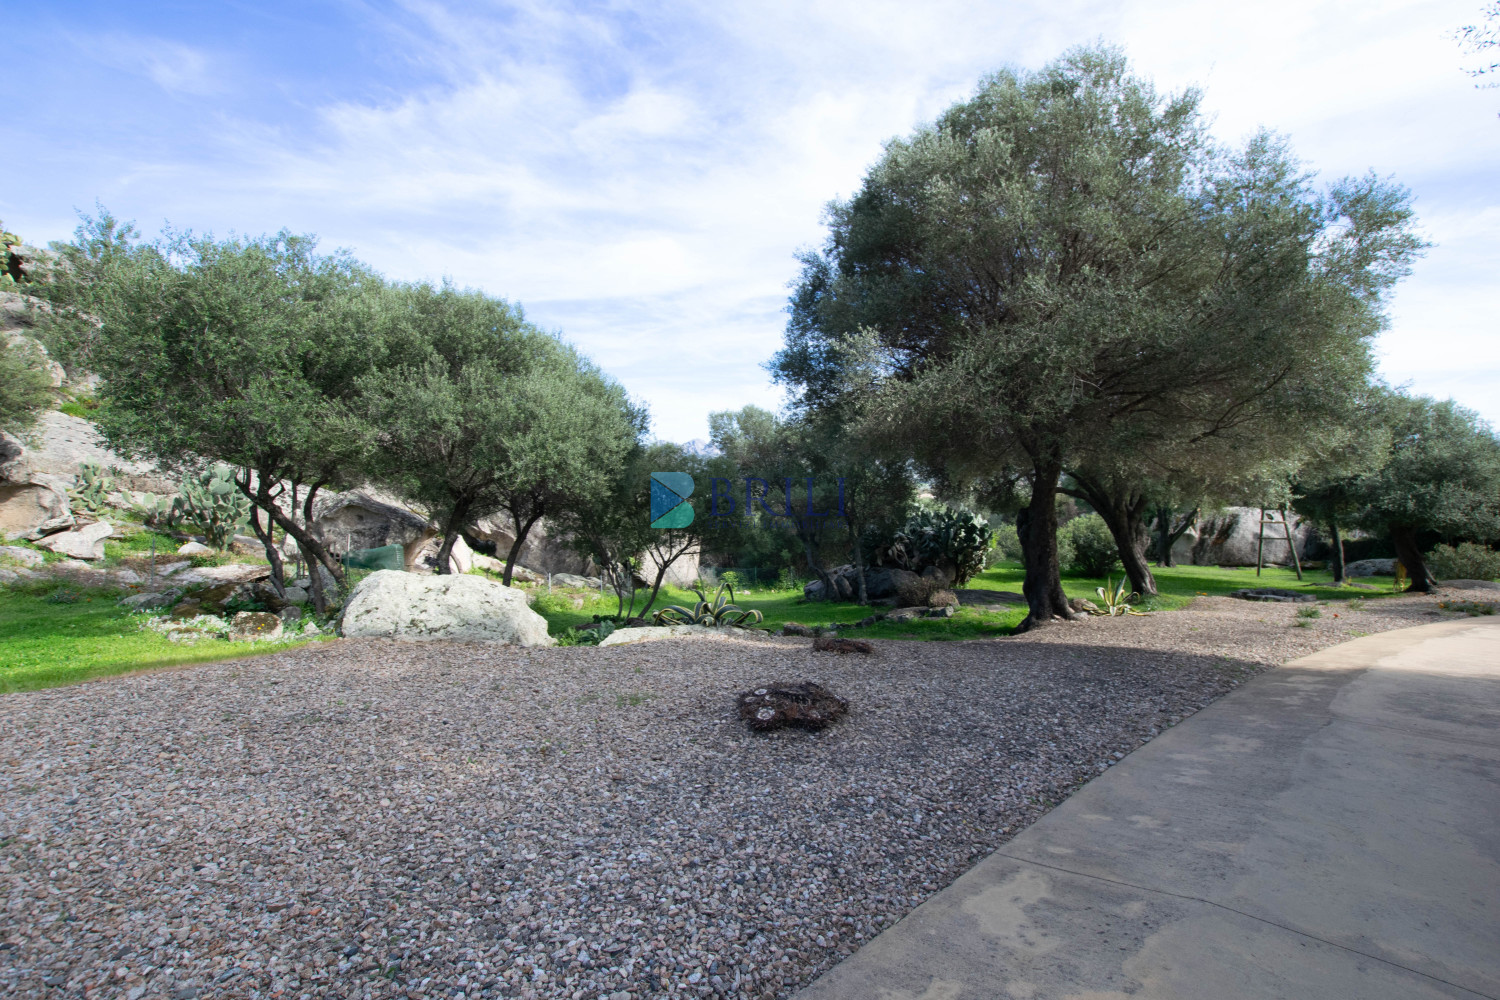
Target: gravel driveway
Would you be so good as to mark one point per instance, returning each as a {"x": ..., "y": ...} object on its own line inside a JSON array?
[{"x": 372, "y": 818}]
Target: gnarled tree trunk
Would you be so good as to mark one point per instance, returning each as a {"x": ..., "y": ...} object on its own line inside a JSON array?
[
  {"x": 1125, "y": 516},
  {"x": 450, "y": 537},
  {"x": 1405, "y": 540},
  {"x": 1037, "y": 530},
  {"x": 1337, "y": 541},
  {"x": 522, "y": 530}
]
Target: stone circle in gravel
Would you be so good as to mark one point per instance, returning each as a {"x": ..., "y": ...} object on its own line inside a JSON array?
[
  {"x": 377, "y": 818},
  {"x": 806, "y": 705}
]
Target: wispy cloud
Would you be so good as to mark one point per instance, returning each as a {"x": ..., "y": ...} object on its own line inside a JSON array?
[{"x": 639, "y": 176}]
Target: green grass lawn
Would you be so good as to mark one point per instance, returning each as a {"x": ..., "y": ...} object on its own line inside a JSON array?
[
  {"x": 43, "y": 644},
  {"x": 1178, "y": 585}
]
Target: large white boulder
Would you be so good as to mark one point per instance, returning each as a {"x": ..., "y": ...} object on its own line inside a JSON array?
[
  {"x": 1231, "y": 536},
  {"x": 86, "y": 542},
  {"x": 395, "y": 605}
]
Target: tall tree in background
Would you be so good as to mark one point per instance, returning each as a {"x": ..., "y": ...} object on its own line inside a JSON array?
[
  {"x": 1064, "y": 260},
  {"x": 572, "y": 428},
  {"x": 1325, "y": 489},
  {"x": 1442, "y": 475},
  {"x": 479, "y": 411}
]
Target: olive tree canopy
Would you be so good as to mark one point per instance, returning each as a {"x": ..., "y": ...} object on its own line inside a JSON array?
[{"x": 1065, "y": 265}]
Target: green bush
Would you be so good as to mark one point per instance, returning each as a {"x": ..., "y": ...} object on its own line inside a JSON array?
[
  {"x": 1466, "y": 562},
  {"x": 1007, "y": 545},
  {"x": 551, "y": 604},
  {"x": 1088, "y": 546}
]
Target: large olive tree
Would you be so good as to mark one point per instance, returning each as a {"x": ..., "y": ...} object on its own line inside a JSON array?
[
  {"x": 479, "y": 411},
  {"x": 1065, "y": 262}
]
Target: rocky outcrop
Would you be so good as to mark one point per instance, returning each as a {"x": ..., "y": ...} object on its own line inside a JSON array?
[
  {"x": 32, "y": 509},
  {"x": 881, "y": 582},
  {"x": 396, "y": 605},
  {"x": 368, "y": 519},
  {"x": 86, "y": 542},
  {"x": 543, "y": 552},
  {"x": 60, "y": 445},
  {"x": 1230, "y": 536}
]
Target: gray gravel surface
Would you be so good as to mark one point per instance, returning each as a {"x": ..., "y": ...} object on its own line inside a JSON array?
[{"x": 372, "y": 818}]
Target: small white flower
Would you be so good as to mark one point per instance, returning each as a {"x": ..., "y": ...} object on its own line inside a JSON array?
[
  {"x": 766, "y": 714},
  {"x": 760, "y": 690}
]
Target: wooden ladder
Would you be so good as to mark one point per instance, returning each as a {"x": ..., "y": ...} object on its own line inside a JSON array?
[{"x": 1286, "y": 527}]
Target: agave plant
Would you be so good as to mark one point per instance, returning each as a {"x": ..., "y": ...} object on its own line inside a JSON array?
[
  {"x": 717, "y": 612},
  {"x": 1116, "y": 601}
]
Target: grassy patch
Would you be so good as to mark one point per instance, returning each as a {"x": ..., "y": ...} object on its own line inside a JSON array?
[
  {"x": 1178, "y": 585},
  {"x": 46, "y": 643}
]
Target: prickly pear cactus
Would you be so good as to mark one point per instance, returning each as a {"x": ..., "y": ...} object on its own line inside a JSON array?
[
  {"x": 155, "y": 510},
  {"x": 211, "y": 502},
  {"x": 957, "y": 538},
  {"x": 91, "y": 493}
]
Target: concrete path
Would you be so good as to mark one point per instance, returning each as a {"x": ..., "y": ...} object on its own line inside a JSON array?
[{"x": 1329, "y": 831}]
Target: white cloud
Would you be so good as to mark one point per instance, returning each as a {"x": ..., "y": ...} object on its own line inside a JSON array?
[{"x": 640, "y": 176}]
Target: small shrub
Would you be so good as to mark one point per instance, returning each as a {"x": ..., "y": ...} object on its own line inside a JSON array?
[
  {"x": 1090, "y": 546},
  {"x": 1467, "y": 561},
  {"x": 914, "y": 592},
  {"x": 1309, "y": 613},
  {"x": 551, "y": 604},
  {"x": 787, "y": 580},
  {"x": 942, "y": 598},
  {"x": 63, "y": 595},
  {"x": 729, "y": 578}
]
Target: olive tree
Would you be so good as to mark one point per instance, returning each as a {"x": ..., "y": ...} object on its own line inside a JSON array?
[
  {"x": 1441, "y": 475},
  {"x": 479, "y": 411},
  {"x": 1065, "y": 261},
  {"x": 243, "y": 350},
  {"x": 25, "y": 385}
]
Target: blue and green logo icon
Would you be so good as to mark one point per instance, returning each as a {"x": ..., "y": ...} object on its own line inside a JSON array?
[{"x": 669, "y": 499}]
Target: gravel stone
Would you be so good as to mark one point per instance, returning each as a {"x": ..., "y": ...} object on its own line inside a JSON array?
[{"x": 374, "y": 818}]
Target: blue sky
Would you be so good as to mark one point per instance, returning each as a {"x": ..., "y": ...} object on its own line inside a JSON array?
[{"x": 639, "y": 176}]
